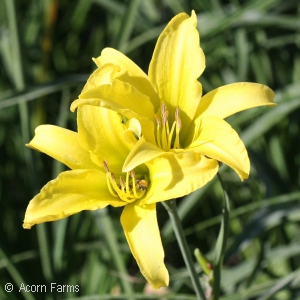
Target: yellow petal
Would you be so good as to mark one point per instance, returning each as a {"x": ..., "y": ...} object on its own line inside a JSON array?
[
  {"x": 103, "y": 75},
  {"x": 70, "y": 193},
  {"x": 113, "y": 56},
  {"x": 176, "y": 64},
  {"x": 119, "y": 96},
  {"x": 142, "y": 152},
  {"x": 134, "y": 126},
  {"x": 63, "y": 145},
  {"x": 101, "y": 132},
  {"x": 142, "y": 233},
  {"x": 232, "y": 98},
  {"x": 129, "y": 72},
  {"x": 178, "y": 174},
  {"x": 218, "y": 140}
]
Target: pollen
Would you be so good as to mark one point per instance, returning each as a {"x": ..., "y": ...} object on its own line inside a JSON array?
[{"x": 129, "y": 189}]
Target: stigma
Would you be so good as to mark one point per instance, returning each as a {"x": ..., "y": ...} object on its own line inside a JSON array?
[
  {"x": 164, "y": 136},
  {"x": 131, "y": 188}
]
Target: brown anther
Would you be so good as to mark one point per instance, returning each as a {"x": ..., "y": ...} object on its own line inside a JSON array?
[
  {"x": 178, "y": 120},
  {"x": 165, "y": 116},
  {"x": 163, "y": 108},
  {"x": 122, "y": 182},
  {"x": 113, "y": 176},
  {"x": 132, "y": 174},
  {"x": 105, "y": 164},
  {"x": 157, "y": 120}
]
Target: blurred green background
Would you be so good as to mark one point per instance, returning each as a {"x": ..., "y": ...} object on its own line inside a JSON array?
[{"x": 46, "y": 48}]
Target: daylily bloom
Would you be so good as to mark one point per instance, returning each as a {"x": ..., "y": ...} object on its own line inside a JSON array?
[
  {"x": 170, "y": 99},
  {"x": 96, "y": 155},
  {"x": 124, "y": 161}
]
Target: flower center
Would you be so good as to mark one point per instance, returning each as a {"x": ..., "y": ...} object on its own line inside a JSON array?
[
  {"x": 129, "y": 190},
  {"x": 164, "y": 135}
]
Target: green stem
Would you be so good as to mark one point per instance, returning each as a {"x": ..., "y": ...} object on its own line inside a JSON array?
[{"x": 185, "y": 251}]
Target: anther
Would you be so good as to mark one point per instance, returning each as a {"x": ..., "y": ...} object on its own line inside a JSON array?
[
  {"x": 113, "y": 176},
  {"x": 132, "y": 173},
  {"x": 163, "y": 108},
  {"x": 178, "y": 123},
  {"x": 157, "y": 120},
  {"x": 165, "y": 116},
  {"x": 105, "y": 164},
  {"x": 122, "y": 183},
  {"x": 177, "y": 117}
]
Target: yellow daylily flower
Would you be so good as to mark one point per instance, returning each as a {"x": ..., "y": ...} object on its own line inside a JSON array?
[
  {"x": 96, "y": 155},
  {"x": 170, "y": 99}
]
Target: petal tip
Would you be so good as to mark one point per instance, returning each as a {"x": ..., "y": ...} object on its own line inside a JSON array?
[
  {"x": 27, "y": 225},
  {"x": 162, "y": 281},
  {"x": 73, "y": 106}
]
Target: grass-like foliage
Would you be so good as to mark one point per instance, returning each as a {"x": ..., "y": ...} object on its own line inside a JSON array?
[{"x": 45, "y": 52}]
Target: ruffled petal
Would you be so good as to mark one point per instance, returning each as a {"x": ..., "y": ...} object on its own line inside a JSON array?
[
  {"x": 176, "y": 64},
  {"x": 119, "y": 96},
  {"x": 218, "y": 140},
  {"x": 232, "y": 98},
  {"x": 129, "y": 72},
  {"x": 103, "y": 75},
  {"x": 63, "y": 145},
  {"x": 142, "y": 233},
  {"x": 175, "y": 175},
  {"x": 101, "y": 132},
  {"x": 70, "y": 193}
]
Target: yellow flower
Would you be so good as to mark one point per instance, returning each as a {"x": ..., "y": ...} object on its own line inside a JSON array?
[
  {"x": 170, "y": 99},
  {"x": 130, "y": 163},
  {"x": 96, "y": 155}
]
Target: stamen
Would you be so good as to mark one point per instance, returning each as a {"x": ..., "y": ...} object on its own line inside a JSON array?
[
  {"x": 164, "y": 139},
  {"x": 105, "y": 163},
  {"x": 171, "y": 135},
  {"x": 177, "y": 118},
  {"x": 123, "y": 196},
  {"x": 133, "y": 183},
  {"x": 178, "y": 127},
  {"x": 157, "y": 120},
  {"x": 132, "y": 173},
  {"x": 165, "y": 129},
  {"x": 108, "y": 178},
  {"x": 122, "y": 184},
  {"x": 113, "y": 178},
  {"x": 109, "y": 186},
  {"x": 164, "y": 134},
  {"x": 124, "y": 190},
  {"x": 178, "y": 124},
  {"x": 163, "y": 108},
  {"x": 127, "y": 182},
  {"x": 165, "y": 117},
  {"x": 158, "y": 131}
]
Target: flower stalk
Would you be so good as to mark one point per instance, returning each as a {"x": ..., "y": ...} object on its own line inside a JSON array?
[{"x": 185, "y": 251}]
